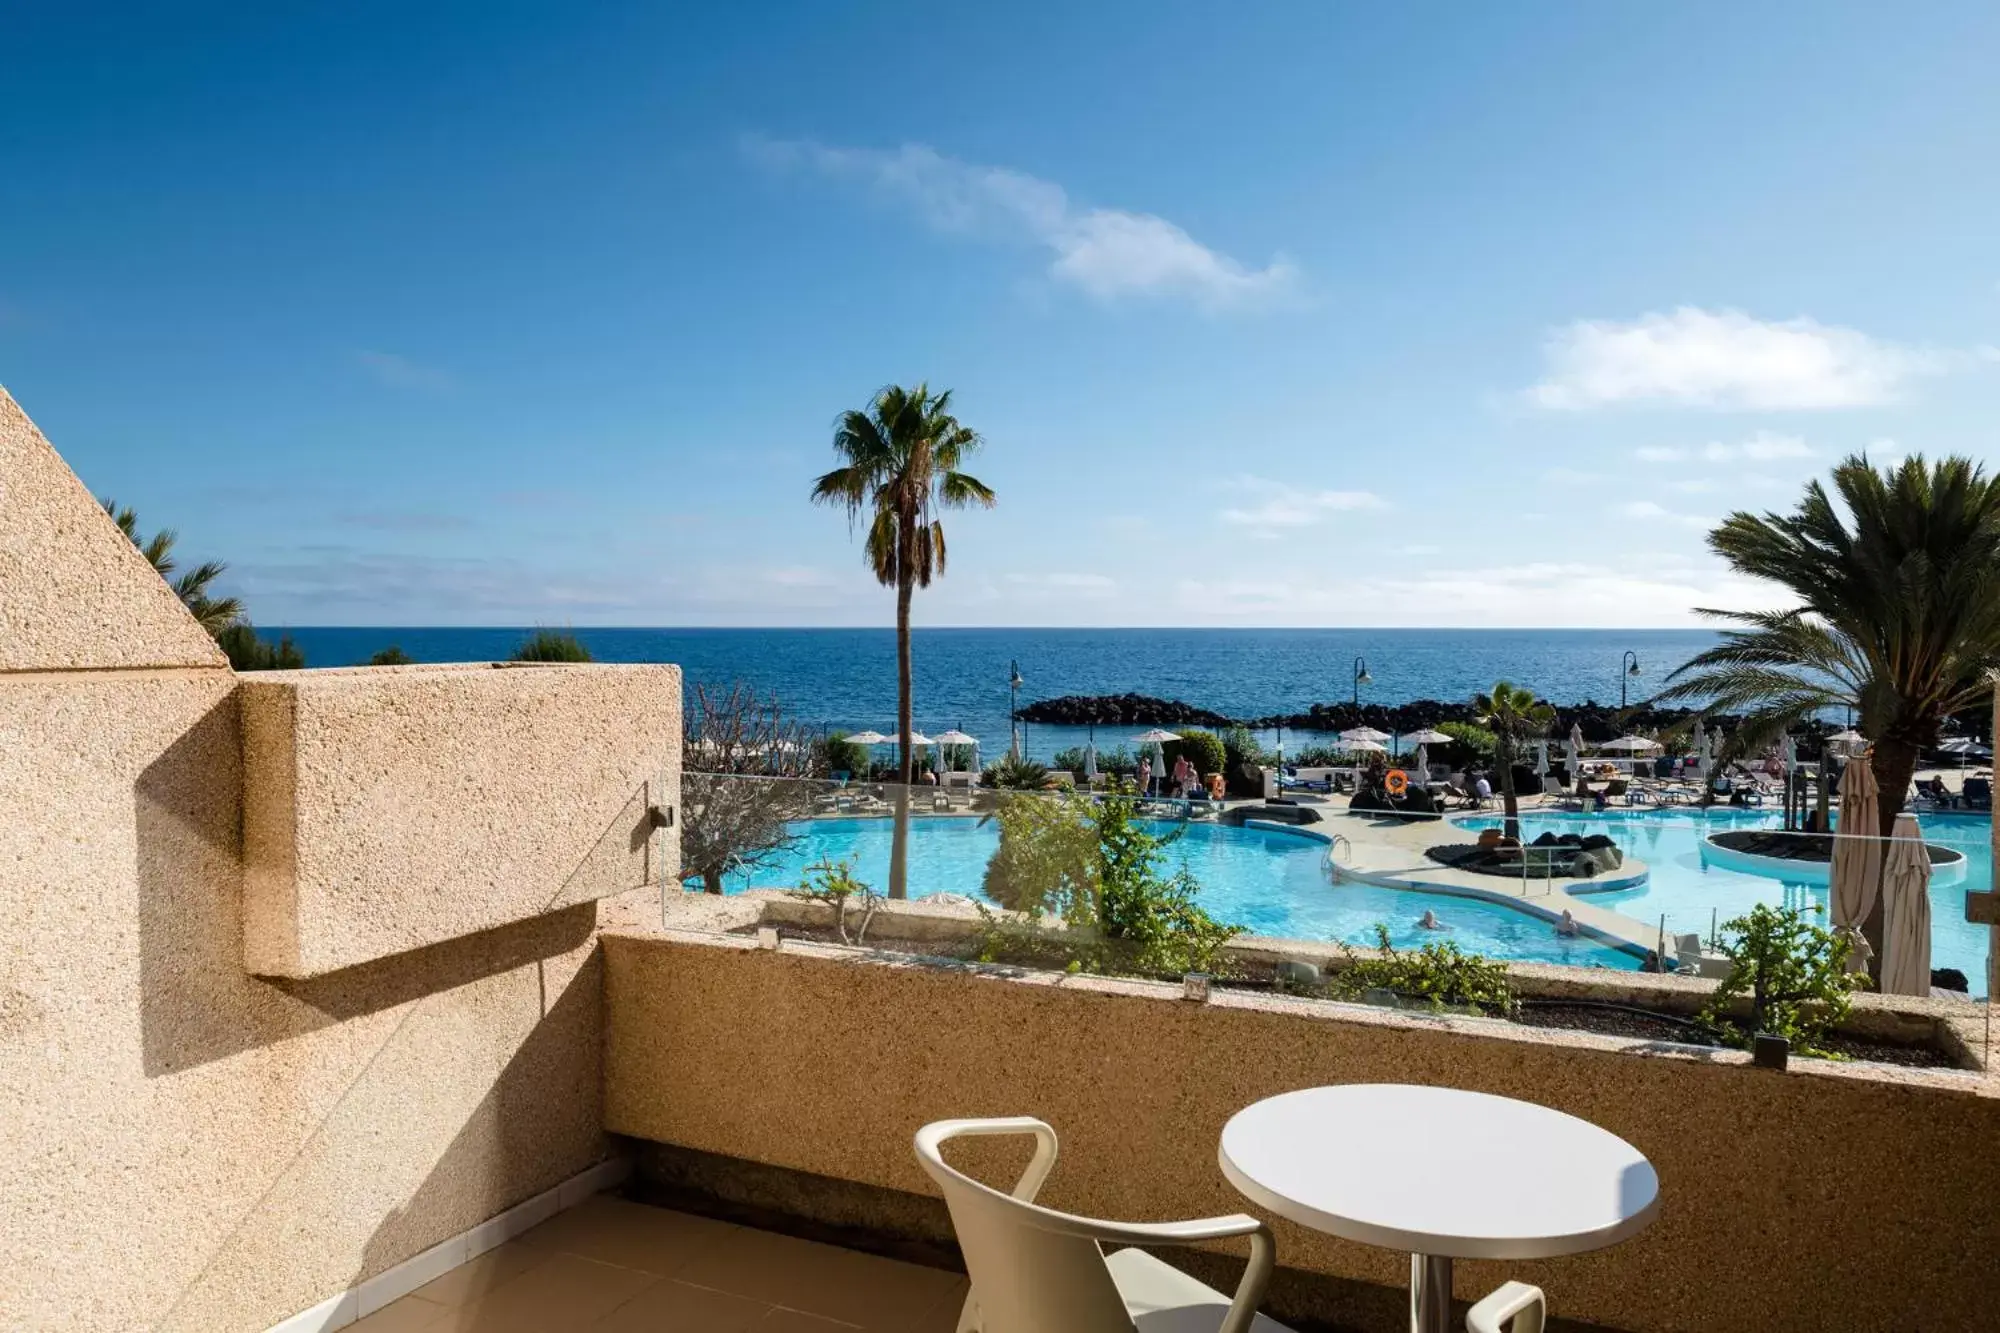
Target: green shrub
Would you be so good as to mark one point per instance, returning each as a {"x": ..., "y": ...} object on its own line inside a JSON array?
[
  {"x": 552, "y": 645},
  {"x": 1240, "y": 747},
  {"x": 393, "y": 655},
  {"x": 837, "y": 754},
  {"x": 833, "y": 883},
  {"x": 1469, "y": 742},
  {"x": 1204, "y": 750},
  {"x": 1439, "y": 973},
  {"x": 1096, "y": 865},
  {"x": 1009, "y": 773},
  {"x": 1794, "y": 973},
  {"x": 1318, "y": 756},
  {"x": 1069, "y": 760},
  {"x": 248, "y": 652}
]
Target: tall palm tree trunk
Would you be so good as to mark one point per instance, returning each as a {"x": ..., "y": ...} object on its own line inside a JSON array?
[
  {"x": 1510, "y": 803},
  {"x": 899, "y": 851}
]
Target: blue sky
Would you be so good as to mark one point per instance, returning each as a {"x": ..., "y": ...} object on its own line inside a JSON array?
[{"x": 1279, "y": 314}]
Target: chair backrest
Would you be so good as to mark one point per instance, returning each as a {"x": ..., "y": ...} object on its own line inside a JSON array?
[{"x": 1027, "y": 1276}]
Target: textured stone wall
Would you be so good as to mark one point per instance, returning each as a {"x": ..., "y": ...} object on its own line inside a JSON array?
[
  {"x": 184, "y": 1146},
  {"x": 1834, "y": 1198}
]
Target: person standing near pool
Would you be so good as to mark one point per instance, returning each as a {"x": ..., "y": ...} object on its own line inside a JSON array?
[
  {"x": 1145, "y": 775},
  {"x": 1183, "y": 776}
]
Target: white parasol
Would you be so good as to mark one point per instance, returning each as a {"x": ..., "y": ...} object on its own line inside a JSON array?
[
  {"x": 870, "y": 738},
  {"x": 1906, "y": 912},
  {"x": 1365, "y": 734},
  {"x": 1573, "y": 753},
  {"x": 1856, "y": 875},
  {"x": 957, "y": 737},
  {"x": 1700, "y": 751},
  {"x": 1632, "y": 745}
]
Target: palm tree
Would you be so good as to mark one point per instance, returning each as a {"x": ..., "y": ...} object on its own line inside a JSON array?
[
  {"x": 900, "y": 463},
  {"x": 215, "y": 613},
  {"x": 1512, "y": 713},
  {"x": 1898, "y": 614}
]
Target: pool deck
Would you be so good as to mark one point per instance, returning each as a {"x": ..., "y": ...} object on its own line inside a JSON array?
[{"x": 1390, "y": 853}]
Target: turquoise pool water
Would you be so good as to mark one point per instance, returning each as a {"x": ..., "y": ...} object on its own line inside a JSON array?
[
  {"x": 1270, "y": 883},
  {"x": 1689, "y": 892}
]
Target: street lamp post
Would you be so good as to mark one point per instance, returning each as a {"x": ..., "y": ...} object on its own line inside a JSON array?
[
  {"x": 1014, "y": 707},
  {"x": 1361, "y": 677},
  {"x": 1629, "y": 667}
]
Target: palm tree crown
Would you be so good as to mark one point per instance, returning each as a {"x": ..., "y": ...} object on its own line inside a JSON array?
[
  {"x": 1511, "y": 712},
  {"x": 215, "y": 613},
  {"x": 902, "y": 460}
]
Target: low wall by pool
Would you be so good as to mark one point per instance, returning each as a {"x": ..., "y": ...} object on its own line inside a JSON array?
[{"x": 1948, "y": 870}]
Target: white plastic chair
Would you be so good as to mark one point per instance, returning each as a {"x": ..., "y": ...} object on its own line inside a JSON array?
[
  {"x": 1513, "y": 1307},
  {"x": 1035, "y": 1270}
]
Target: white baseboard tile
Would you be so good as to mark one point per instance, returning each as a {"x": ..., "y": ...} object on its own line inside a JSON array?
[
  {"x": 334, "y": 1312},
  {"x": 391, "y": 1285}
]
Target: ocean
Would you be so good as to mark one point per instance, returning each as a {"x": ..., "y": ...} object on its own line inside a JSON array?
[{"x": 846, "y": 678}]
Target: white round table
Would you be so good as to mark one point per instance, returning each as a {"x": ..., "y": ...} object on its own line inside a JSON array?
[{"x": 1441, "y": 1173}]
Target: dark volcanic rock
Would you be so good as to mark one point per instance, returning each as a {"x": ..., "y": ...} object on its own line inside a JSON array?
[{"x": 1077, "y": 710}]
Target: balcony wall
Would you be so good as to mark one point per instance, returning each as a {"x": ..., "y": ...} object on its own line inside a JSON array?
[
  {"x": 189, "y": 1147},
  {"x": 1826, "y": 1197}
]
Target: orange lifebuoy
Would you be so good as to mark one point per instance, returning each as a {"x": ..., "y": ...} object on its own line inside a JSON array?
[{"x": 1397, "y": 782}]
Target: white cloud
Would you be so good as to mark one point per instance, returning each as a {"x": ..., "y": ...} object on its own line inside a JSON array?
[
  {"x": 1107, "y": 252},
  {"x": 1079, "y": 583},
  {"x": 1648, "y": 510},
  {"x": 1273, "y": 505},
  {"x": 402, "y": 373},
  {"x": 1763, "y": 447},
  {"x": 1644, "y": 589},
  {"x": 1725, "y": 359}
]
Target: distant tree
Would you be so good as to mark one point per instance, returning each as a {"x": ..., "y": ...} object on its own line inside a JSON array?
[
  {"x": 743, "y": 783},
  {"x": 393, "y": 655},
  {"x": 1513, "y": 714},
  {"x": 248, "y": 652},
  {"x": 900, "y": 463},
  {"x": 552, "y": 645},
  {"x": 216, "y": 614}
]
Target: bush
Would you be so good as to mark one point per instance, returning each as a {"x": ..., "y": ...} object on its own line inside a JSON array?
[
  {"x": 1204, "y": 750},
  {"x": 248, "y": 652},
  {"x": 837, "y": 754},
  {"x": 1440, "y": 973},
  {"x": 1097, "y": 866},
  {"x": 1015, "y": 774},
  {"x": 1240, "y": 747},
  {"x": 1794, "y": 973},
  {"x": 552, "y": 645},
  {"x": 833, "y": 883},
  {"x": 1069, "y": 760},
  {"x": 1318, "y": 756},
  {"x": 1469, "y": 743},
  {"x": 393, "y": 655}
]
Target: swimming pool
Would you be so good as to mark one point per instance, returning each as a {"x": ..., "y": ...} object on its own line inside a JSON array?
[
  {"x": 1267, "y": 881},
  {"x": 1690, "y": 891}
]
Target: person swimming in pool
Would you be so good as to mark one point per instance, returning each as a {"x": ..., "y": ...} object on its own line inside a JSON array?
[
  {"x": 1430, "y": 921},
  {"x": 1566, "y": 927}
]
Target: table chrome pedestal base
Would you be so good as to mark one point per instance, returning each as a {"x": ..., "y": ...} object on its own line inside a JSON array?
[{"x": 1430, "y": 1294}]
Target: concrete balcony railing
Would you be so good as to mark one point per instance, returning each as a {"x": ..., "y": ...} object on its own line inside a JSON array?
[{"x": 390, "y": 809}]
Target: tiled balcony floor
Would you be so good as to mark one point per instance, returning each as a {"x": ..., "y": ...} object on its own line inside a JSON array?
[{"x": 608, "y": 1266}]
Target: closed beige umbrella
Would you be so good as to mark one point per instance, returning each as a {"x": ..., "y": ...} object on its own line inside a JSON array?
[
  {"x": 1906, "y": 913},
  {"x": 1857, "y": 858}
]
